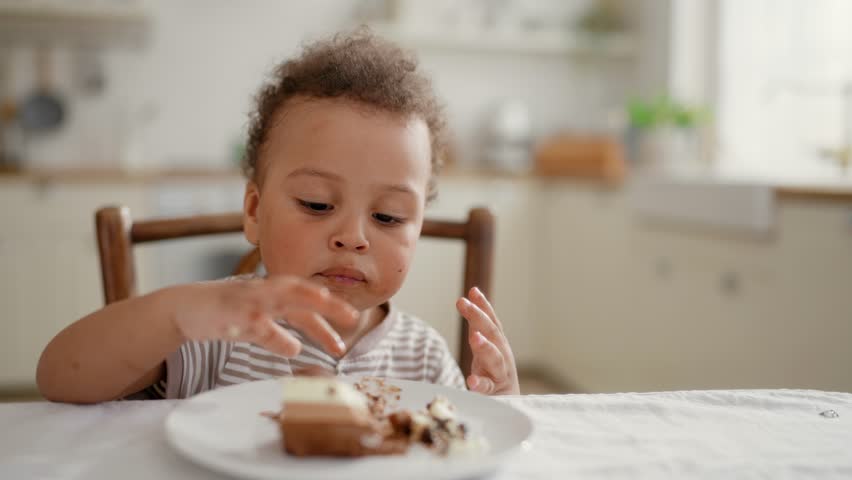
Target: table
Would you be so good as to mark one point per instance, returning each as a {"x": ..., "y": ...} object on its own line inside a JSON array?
[{"x": 703, "y": 434}]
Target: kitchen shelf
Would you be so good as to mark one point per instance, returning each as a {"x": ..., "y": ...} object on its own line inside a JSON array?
[
  {"x": 75, "y": 22},
  {"x": 555, "y": 43}
]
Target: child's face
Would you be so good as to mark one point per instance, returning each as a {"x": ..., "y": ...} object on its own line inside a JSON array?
[{"x": 341, "y": 197}]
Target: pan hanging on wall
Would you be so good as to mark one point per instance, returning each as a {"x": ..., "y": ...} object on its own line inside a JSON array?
[{"x": 44, "y": 110}]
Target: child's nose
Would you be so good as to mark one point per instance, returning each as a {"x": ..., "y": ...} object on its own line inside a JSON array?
[
  {"x": 352, "y": 245},
  {"x": 350, "y": 237}
]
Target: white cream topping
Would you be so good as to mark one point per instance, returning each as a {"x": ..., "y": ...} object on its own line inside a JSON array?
[
  {"x": 322, "y": 390},
  {"x": 442, "y": 409}
]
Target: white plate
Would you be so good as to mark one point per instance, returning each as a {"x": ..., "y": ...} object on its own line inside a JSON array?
[{"x": 223, "y": 430}]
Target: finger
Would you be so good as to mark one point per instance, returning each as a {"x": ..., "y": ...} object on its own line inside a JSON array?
[
  {"x": 483, "y": 385},
  {"x": 479, "y": 299},
  {"x": 264, "y": 332},
  {"x": 488, "y": 359},
  {"x": 289, "y": 293},
  {"x": 477, "y": 319},
  {"x": 314, "y": 326}
]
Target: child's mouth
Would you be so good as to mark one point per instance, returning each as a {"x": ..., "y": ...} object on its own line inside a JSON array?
[
  {"x": 343, "y": 276},
  {"x": 342, "y": 279}
]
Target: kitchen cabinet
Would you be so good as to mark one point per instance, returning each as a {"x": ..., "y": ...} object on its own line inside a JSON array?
[
  {"x": 48, "y": 257},
  {"x": 193, "y": 259},
  {"x": 586, "y": 288},
  {"x": 640, "y": 306},
  {"x": 435, "y": 280},
  {"x": 53, "y": 276}
]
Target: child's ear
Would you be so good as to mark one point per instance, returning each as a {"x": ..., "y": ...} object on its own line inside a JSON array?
[{"x": 251, "y": 201}]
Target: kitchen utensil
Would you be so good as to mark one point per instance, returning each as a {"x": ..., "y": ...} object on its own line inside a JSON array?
[
  {"x": 89, "y": 75},
  {"x": 43, "y": 111},
  {"x": 508, "y": 136}
]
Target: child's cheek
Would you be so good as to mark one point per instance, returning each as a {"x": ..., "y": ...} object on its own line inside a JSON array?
[
  {"x": 399, "y": 273},
  {"x": 394, "y": 276}
]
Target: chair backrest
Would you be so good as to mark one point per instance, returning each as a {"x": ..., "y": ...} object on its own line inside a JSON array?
[{"x": 117, "y": 233}]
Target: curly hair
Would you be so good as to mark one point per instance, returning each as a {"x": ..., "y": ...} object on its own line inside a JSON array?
[{"x": 359, "y": 67}]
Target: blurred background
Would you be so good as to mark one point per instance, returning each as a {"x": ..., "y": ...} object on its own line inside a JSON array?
[{"x": 670, "y": 177}]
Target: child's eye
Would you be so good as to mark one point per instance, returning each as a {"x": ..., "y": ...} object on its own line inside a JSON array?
[
  {"x": 386, "y": 219},
  {"x": 316, "y": 207}
]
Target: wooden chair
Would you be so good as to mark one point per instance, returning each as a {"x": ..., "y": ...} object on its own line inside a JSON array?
[{"x": 117, "y": 234}]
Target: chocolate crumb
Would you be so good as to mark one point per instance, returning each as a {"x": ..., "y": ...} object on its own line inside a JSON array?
[
  {"x": 442, "y": 423},
  {"x": 401, "y": 422},
  {"x": 426, "y": 437}
]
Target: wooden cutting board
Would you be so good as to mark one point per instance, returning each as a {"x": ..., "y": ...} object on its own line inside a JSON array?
[{"x": 583, "y": 156}]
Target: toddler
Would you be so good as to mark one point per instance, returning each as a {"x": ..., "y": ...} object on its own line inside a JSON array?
[{"x": 342, "y": 157}]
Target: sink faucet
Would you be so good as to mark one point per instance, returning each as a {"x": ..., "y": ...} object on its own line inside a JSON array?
[{"x": 842, "y": 156}]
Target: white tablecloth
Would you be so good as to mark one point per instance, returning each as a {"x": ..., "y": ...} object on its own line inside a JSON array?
[{"x": 702, "y": 434}]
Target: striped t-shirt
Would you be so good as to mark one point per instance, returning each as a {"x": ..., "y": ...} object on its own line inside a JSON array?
[{"x": 401, "y": 347}]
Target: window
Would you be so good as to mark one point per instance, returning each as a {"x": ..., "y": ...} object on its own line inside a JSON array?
[{"x": 784, "y": 85}]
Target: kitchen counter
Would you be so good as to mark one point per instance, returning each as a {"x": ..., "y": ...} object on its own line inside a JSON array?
[
  {"x": 834, "y": 189},
  {"x": 830, "y": 188},
  {"x": 842, "y": 193}
]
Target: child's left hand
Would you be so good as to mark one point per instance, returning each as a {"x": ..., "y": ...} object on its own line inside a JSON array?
[{"x": 493, "y": 371}]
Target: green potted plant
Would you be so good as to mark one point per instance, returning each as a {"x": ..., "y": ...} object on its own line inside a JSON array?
[{"x": 663, "y": 132}]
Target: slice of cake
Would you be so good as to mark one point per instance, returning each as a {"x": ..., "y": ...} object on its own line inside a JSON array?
[{"x": 323, "y": 416}]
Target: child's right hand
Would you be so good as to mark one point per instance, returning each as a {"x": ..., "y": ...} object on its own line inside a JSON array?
[{"x": 246, "y": 311}]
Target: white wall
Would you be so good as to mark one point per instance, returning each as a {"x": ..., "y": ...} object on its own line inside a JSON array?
[
  {"x": 188, "y": 92},
  {"x": 195, "y": 79}
]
